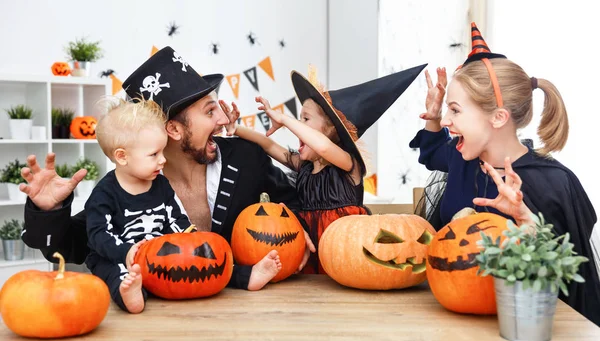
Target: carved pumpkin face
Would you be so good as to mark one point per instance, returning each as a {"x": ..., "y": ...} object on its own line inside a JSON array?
[
  {"x": 451, "y": 266},
  {"x": 83, "y": 127},
  {"x": 185, "y": 265},
  {"x": 267, "y": 226},
  {"x": 61, "y": 69},
  {"x": 377, "y": 252}
]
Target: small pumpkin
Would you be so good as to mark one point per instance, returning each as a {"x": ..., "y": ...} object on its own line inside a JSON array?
[
  {"x": 185, "y": 265},
  {"x": 60, "y": 69},
  {"x": 54, "y": 304},
  {"x": 267, "y": 226},
  {"x": 377, "y": 252},
  {"x": 451, "y": 265},
  {"x": 83, "y": 127}
]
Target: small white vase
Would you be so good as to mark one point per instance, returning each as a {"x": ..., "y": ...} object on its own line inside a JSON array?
[
  {"x": 84, "y": 188},
  {"x": 20, "y": 129},
  {"x": 14, "y": 194}
]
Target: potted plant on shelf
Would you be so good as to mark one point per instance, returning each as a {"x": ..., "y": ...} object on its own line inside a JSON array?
[
  {"x": 529, "y": 267},
  {"x": 82, "y": 54},
  {"x": 64, "y": 171},
  {"x": 61, "y": 122},
  {"x": 13, "y": 246},
  {"x": 11, "y": 175},
  {"x": 85, "y": 187},
  {"x": 20, "y": 122}
]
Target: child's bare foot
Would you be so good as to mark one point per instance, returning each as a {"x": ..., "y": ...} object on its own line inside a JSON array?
[
  {"x": 131, "y": 290},
  {"x": 264, "y": 271}
]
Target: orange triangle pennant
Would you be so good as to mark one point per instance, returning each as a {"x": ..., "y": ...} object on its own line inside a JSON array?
[
  {"x": 249, "y": 121},
  {"x": 154, "y": 50},
  {"x": 234, "y": 83},
  {"x": 278, "y": 108},
  {"x": 117, "y": 85},
  {"x": 265, "y": 64}
]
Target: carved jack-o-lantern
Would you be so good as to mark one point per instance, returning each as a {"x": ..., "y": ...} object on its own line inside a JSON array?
[
  {"x": 268, "y": 226},
  {"x": 83, "y": 127},
  {"x": 185, "y": 265},
  {"x": 377, "y": 252},
  {"x": 451, "y": 265},
  {"x": 61, "y": 69}
]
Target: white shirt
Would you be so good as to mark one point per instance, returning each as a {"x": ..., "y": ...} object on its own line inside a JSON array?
[{"x": 213, "y": 177}]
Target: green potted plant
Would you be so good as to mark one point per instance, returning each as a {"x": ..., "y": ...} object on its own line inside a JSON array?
[
  {"x": 82, "y": 53},
  {"x": 13, "y": 246},
  {"x": 85, "y": 187},
  {"x": 11, "y": 175},
  {"x": 20, "y": 122},
  {"x": 61, "y": 122},
  {"x": 529, "y": 267},
  {"x": 64, "y": 171}
]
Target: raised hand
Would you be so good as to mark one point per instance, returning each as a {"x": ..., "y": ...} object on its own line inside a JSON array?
[
  {"x": 44, "y": 187},
  {"x": 435, "y": 95},
  {"x": 510, "y": 197},
  {"x": 275, "y": 116},
  {"x": 232, "y": 115}
]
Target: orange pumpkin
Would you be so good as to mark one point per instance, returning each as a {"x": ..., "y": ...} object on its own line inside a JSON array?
[
  {"x": 53, "y": 304},
  {"x": 451, "y": 266},
  {"x": 267, "y": 226},
  {"x": 377, "y": 252},
  {"x": 185, "y": 265},
  {"x": 84, "y": 127},
  {"x": 61, "y": 69}
]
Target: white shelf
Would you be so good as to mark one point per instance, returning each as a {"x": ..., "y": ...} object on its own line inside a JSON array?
[
  {"x": 56, "y": 141},
  {"x": 55, "y": 79},
  {"x": 26, "y": 261},
  {"x": 11, "y": 141},
  {"x": 5, "y": 202}
]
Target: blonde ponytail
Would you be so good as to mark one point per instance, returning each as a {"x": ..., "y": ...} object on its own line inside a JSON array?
[{"x": 554, "y": 125}]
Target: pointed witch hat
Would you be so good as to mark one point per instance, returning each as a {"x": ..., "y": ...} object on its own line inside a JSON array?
[{"x": 362, "y": 104}]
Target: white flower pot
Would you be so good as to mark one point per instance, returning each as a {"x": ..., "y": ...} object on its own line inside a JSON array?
[
  {"x": 81, "y": 69},
  {"x": 84, "y": 188},
  {"x": 14, "y": 194},
  {"x": 20, "y": 129}
]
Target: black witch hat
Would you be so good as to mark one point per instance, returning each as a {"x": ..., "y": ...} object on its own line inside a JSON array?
[{"x": 362, "y": 104}]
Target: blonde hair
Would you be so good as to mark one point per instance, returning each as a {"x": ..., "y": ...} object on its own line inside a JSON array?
[
  {"x": 516, "y": 89},
  {"x": 118, "y": 128}
]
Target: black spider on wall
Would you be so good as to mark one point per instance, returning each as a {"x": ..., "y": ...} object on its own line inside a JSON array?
[
  {"x": 214, "y": 48},
  {"x": 282, "y": 43},
  {"x": 172, "y": 29},
  {"x": 107, "y": 73},
  {"x": 252, "y": 39},
  {"x": 403, "y": 177}
]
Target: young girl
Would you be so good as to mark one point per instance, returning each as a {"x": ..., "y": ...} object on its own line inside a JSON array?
[
  {"x": 490, "y": 98},
  {"x": 329, "y": 165}
]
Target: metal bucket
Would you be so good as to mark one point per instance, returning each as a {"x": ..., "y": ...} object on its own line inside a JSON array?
[
  {"x": 81, "y": 69},
  {"x": 13, "y": 249},
  {"x": 524, "y": 314}
]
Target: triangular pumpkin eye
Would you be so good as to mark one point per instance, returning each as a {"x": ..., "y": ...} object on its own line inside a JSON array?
[
  {"x": 204, "y": 251},
  {"x": 449, "y": 235},
  {"x": 387, "y": 237},
  {"x": 284, "y": 214},
  {"x": 261, "y": 211},
  {"x": 168, "y": 249},
  {"x": 425, "y": 238},
  {"x": 475, "y": 227}
]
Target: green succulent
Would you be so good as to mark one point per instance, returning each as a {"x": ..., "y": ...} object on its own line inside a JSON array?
[
  {"x": 92, "y": 168},
  {"x": 539, "y": 259},
  {"x": 84, "y": 51},
  {"x": 62, "y": 116},
  {"x": 64, "y": 171},
  {"x": 11, "y": 230},
  {"x": 12, "y": 173},
  {"x": 20, "y": 112}
]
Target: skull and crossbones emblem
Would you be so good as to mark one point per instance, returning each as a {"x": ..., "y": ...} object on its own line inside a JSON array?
[
  {"x": 152, "y": 85},
  {"x": 178, "y": 58}
]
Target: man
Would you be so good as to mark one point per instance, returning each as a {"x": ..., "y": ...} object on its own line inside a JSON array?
[{"x": 215, "y": 178}]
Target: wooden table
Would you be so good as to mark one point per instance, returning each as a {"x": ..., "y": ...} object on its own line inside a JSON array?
[{"x": 314, "y": 307}]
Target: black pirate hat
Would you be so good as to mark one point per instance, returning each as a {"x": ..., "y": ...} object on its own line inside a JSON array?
[
  {"x": 362, "y": 104},
  {"x": 170, "y": 81}
]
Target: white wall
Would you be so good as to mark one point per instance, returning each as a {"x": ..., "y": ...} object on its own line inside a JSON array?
[
  {"x": 558, "y": 42},
  {"x": 33, "y": 34},
  {"x": 352, "y": 54}
]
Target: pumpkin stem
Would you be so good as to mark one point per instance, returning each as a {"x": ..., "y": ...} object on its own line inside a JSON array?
[
  {"x": 465, "y": 212},
  {"x": 61, "y": 265},
  {"x": 264, "y": 197},
  {"x": 189, "y": 229}
]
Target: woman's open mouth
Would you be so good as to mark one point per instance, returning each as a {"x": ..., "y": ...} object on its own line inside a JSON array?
[{"x": 461, "y": 140}]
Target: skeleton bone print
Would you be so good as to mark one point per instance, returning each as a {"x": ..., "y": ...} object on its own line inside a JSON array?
[
  {"x": 147, "y": 222},
  {"x": 178, "y": 58},
  {"x": 152, "y": 85}
]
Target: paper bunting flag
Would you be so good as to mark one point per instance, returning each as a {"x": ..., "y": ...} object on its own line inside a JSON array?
[
  {"x": 248, "y": 121},
  {"x": 117, "y": 85},
  {"x": 264, "y": 120},
  {"x": 234, "y": 83},
  {"x": 265, "y": 64},
  {"x": 291, "y": 105},
  {"x": 251, "y": 75},
  {"x": 154, "y": 50},
  {"x": 278, "y": 108}
]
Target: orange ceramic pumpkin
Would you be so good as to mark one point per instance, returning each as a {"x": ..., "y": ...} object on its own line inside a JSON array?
[
  {"x": 185, "y": 265},
  {"x": 84, "y": 127},
  {"x": 268, "y": 226},
  {"x": 377, "y": 252},
  {"x": 61, "y": 69},
  {"x": 53, "y": 304},
  {"x": 451, "y": 266}
]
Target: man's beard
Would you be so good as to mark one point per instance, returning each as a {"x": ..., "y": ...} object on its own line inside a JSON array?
[{"x": 198, "y": 154}]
